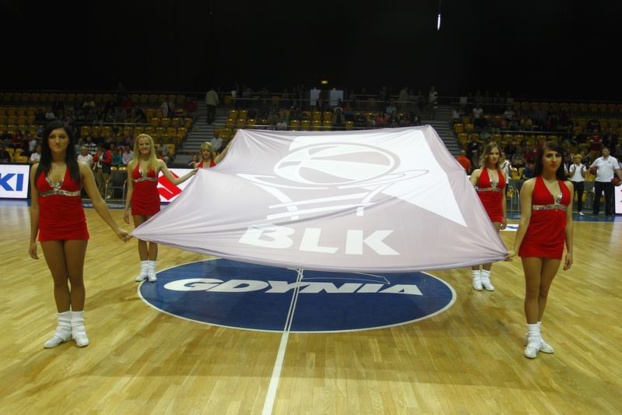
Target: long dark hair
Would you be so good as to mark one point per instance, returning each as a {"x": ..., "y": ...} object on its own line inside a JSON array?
[
  {"x": 71, "y": 158},
  {"x": 551, "y": 146}
]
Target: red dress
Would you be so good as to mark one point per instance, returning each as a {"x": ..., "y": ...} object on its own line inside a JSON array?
[
  {"x": 491, "y": 196},
  {"x": 145, "y": 196},
  {"x": 545, "y": 235},
  {"x": 211, "y": 164},
  {"x": 61, "y": 214}
]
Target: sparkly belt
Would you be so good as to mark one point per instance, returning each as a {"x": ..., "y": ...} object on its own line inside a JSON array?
[
  {"x": 549, "y": 207},
  {"x": 489, "y": 189},
  {"x": 145, "y": 179},
  {"x": 59, "y": 192}
]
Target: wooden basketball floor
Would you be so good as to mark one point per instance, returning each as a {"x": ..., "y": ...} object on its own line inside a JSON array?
[{"x": 465, "y": 360}]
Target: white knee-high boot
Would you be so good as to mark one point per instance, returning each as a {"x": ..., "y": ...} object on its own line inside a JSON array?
[
  {"x": 77, "y": 328},
  {"x": 544, "y": 346},
  {"x": 533, "y": 341},
  {"x": 144, "y": 266},
  {"x": 151, "y": 274},
  {"x": 477, "y": 279},
  {"x": 63, "y": 331},
  {"x": 486, "y": 281}
]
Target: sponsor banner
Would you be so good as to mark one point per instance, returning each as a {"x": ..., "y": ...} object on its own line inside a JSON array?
[
  {"x": 169, "y": 191},
  {"x": 14, "y": 181}
]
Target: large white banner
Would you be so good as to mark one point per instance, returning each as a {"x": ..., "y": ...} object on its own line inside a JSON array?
[{"x": 386, "y": 200}]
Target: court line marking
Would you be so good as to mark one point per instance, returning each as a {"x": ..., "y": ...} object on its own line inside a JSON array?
[{"x": 280, "y": 357}]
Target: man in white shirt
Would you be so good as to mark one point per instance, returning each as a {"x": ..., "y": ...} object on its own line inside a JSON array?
[
  {"x": 85, "y": 157},
  {"x": 211, "y": 102},
  {"x": 606, "y": 168},
  {"x": 36, "y": 156},
  {"x": 128, "y": 154}
]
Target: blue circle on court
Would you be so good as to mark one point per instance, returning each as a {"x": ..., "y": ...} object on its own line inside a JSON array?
[{"x": 256, "y": 297}]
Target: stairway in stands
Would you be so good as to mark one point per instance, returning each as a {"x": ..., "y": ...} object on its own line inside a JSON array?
[
  {"x": 442, "y": 124},
  {"x": 200, "y": 133}
]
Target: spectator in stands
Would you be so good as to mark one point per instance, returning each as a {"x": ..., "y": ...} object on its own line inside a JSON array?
[
  {"x": 6, "y": 138},
  {"x": 508, "y": 115},
  {"x": 456, "y": 116},
  {"x": 36, "y": 156},
  {"x": 391, "y": 109},
  {"x": 127, "y": 155},
  {"x": 281, "y": 124},
  {"x": 527, "y": 172},
  {"x": 477, "y": 114},
  {"x": 17, "y": 140},
  {"x": 510, "y": 149},
  {"x": 348, "y": 111},
  {"x": 138, "y": 116},
  {"x": 526, "y": 123},
  {"x": 577, "y": 172},
  {"x": 473, "y": 150},
  {"x": 420, "y": 102},
  {"x": 162, "y": 156},
  {"x": 610, "y": 138},
  {"x": 596, "y": 143},
  {"x": 164, "y": 148},
  {"x": 102, "y": 160},
  {"x": 88, "y": 105},
  {"x": 5, "y": 156},
  {"x": 211, "y": 102},
  {"x": 90, "y": 145},
  {"x": 464, "y": 161},
  {"x": 39, "y": 116},
  {"x": 32, "y": 143},
  {"x": 402, "y": 99},
  {"x": 50, "y": 115},
  {"x": 85, "y": 157},
  {"x": 143, "y": 198},
  {"x": 489, "y": 181},
  {"x": 167, "y": 108},
  {"x": 506, "y": 166},
  {"x": 338, "y": 119},
  {"x": 189, "y": 107},
  {"x": 593, "y": 125},
  {"x": 117, "y": 157},
  {"x": 433, "y": 101},
  {"x": 380, "y": 120}
]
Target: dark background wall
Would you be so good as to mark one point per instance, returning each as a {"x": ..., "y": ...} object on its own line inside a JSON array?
[{"x": 548, "y": 48}]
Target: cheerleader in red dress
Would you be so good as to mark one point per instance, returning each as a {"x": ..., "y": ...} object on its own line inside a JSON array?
[
  {"x": 209, "y": 158},
  {"x": 545, "y": 235},
  {"x": 58, "y": 222},
  {"x": 490, "y": 181},
  {"x": 62, "y": 196},
  {"x": 143, "y": 197},
  {"x": 545, "y": 226}
]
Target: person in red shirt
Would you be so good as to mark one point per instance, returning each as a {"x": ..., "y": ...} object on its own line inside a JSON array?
[{"x": 464, "y": 161}]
